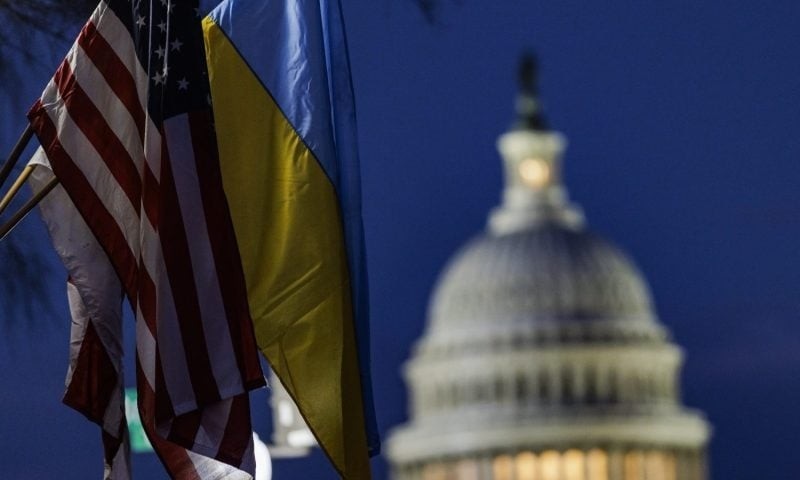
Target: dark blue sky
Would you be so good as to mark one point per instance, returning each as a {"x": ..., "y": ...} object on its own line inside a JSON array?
[{"x": 683, "y": 124}]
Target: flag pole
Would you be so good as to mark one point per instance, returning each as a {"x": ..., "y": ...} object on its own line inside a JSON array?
[
  {"x": 6, "y": 228},
  {"x": 15, "y": 154},
  {"x": 15, "y": 187}
]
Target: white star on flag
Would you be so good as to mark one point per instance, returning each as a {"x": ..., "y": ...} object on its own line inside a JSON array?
[
  {"x": 176, "y": 45},
  {"x": 183, "y": 84},
  {"x": 159, "y": 78}
]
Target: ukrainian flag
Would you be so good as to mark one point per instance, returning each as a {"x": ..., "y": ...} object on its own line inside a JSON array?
[{"x": 285, "y": 120}]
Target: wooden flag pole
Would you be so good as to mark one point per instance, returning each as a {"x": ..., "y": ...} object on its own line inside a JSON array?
[
  {"x": 15, "y": 154},
  {"x": 6, "y": 228},
  {"x": 5, "y": 172},
  {"x": 15, "y": 187}
]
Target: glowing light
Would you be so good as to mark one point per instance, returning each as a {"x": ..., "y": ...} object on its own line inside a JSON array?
[
  {"x": 670, "y": 469},
  {"x": 263, "y": 460},
  {"x": 535, "y": 172},
  {"x": 573, "y": 465},
  {"x": 526, "y": 466},
  {"x": 503, "y": 467},
  {"x": 598, "y": 465},
  {"x": 434, "y": 471},
  {"x": 634, "y": 461},
  {"x": 286, "y": 413},
  {"x": 551, "y": 468},
  {"x": 467, "y": 470},
  {"x": 300, "y": 438}
]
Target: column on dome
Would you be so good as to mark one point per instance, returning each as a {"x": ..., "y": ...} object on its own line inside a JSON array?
[
  {"x": 567, "y": 394},
  {"x": 417, "y": 399},
  {"x": 616, "y": 465},
  {"x": 602, "y": 381},
  {"x": 555, "y": 383},
  {"x": 634, "y": 465},
  {"x": 519, "y": 388},
  {"x": 485, "y": 467},
  {"x": 528, "y": 389},
  {"x": 579, "y": 379}
]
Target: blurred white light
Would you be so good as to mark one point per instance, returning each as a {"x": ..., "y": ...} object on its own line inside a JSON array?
[
  {"x": 535, "y": 172},
  {"x": 263, "y": 460},
  {"x": 285, "y": 413},
  {"x": 300, "y": 438}
]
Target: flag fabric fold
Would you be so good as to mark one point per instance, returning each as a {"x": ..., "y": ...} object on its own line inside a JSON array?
[
  {"x": 94, "y": 384},
  {"x": 284, "y": 110},
  {"x": 126, "y": 126}
]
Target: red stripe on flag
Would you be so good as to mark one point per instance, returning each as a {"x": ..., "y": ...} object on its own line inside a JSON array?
[
  {"x": 162, "y": 406},
  {"x": 150, "y": 197},
  {"x": 184, "y": 428},
  {"x": 111, "y": 444},
  {"x": 234, "y": 444},
  {"x": 104, "y": 140},
  {"x": 119, "y": 78},
  {"x": 94, "y": 378}
]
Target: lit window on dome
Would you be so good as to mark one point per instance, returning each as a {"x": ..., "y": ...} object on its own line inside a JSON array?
[
  {"x": 526, "y": 466},
  {"x": 597, "y": 461},
  {"x": 434, "y": 471},
  {"x": 573, "y": 465},
  {"x": 503, "y": 467},
  {"x": 670, "y": 467},
  {"x": 660, "y": 465},
  {"x": 534, "y": 172},
  {"x": 634, "y": 463},
  {"x": 467, "y": 469},
  {"x": 550, "y": 462},
  {"x": 654, "y": 465}
]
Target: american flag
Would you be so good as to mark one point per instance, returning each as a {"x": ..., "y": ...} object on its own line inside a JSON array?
[{"x": 127, "y": 128}]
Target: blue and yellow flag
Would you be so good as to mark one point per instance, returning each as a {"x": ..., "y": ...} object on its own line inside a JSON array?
[{"x": 285, "y": 120}]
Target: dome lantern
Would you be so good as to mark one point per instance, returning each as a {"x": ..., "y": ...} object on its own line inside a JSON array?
[{"x": 534, "y": 192}]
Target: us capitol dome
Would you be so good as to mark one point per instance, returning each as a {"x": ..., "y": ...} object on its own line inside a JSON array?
[{"x": 543, "y": 358}]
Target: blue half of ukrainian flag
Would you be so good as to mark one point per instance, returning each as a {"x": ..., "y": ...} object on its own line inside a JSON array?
[{"x": 286, "y": 127}]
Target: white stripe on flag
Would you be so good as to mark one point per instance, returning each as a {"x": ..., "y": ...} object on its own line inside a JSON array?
[
  {"x": 170, "y": 340},
  {"x": 212, "y": 428},
  {"x": 145, "y": 349}
]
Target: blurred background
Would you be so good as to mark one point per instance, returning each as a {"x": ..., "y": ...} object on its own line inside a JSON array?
[{"x": 683, "y": 128}]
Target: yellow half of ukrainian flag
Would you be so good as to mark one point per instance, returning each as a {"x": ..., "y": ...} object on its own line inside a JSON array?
[{"x": 285, "y": 123}]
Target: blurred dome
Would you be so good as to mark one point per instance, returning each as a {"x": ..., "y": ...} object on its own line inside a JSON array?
[
  {"x": 541, "y": 277},
  {"x": 543, "y": 358}
]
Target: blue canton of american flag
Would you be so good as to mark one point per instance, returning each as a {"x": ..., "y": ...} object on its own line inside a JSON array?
[
  {"x": 174, "y": 53},
  {"x": 127, "y": 129}
]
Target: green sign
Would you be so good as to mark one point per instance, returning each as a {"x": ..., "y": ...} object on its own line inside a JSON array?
[{"x": 139, "y": 441}]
